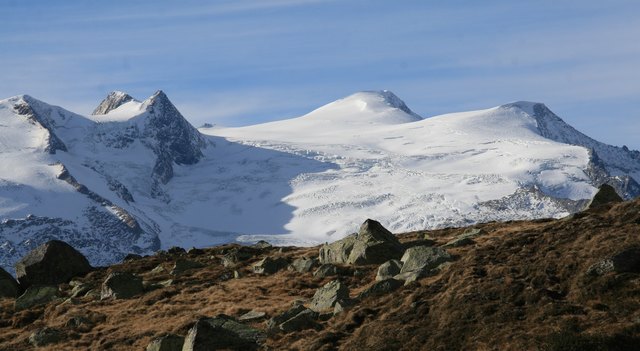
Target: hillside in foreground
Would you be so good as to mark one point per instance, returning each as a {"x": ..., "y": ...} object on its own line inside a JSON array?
[{"x": 565, "y": 284}]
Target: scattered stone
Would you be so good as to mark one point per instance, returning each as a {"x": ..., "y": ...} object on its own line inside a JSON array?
[
  {"x": 121, "y": 285},
  {"x": 373, "y": 244},
  {"x": 423, "y": 258},
  {"x": 8, "y": 286},
  {"x": 176, "y": 250},
  {"x": 306, "y": 319},
  {"x": 45, "y": 336},
  {"x": 36, "y": 295},
  {"x": 131, "y": 257},
  {"x": 270, "y": 265},
  {"x": 261, "y": 244},
  {"x": 303, "y": 264},
  {"x": 409, "y": 277},
  {"x": 626, "y": 261},
  {"x": 234, "y": 256},
  {"x": 458, "y": 242},
  {"x": 183, "y": 265},
  {"x": 380, "y": 288},
  {"x": 341, "y": 306},
  {"x": 51, "y": 263},
  {"x": 222, "y": 332},
  {"x": 326, "y": 270},
  {"x": 274, "y": 322},
  {"x": 605, "y": 195},
  {"x": 388, "y": 270},
  {"x": 167, "y": 342},
  {"x": 252, "y": 316},
  {"x": 327, "y": 296}
]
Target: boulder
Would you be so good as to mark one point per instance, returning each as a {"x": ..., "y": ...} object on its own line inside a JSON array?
[
  {"x": 326, "y": 270},
  {"x": 409, "y": 277},
  {"x": 45, "y": 336},
  {"x": 605, "y": 195},
  {"x": 235, "y": 255},
  {"x": 36, "y": 295},
  {"x": 274, "y": 323},
  {"x": 222, "y": 333},
  {"x": 51, "y": 263},
  {"x": 8, "y": 286},
  {"x": 252, "y": 316},
  {"x": 625, "y": 261},
  {"x": 261, "y": 244},
  {"x": 373, "y": 244},
  {"x": 423, "y": 258},
  {"x": 270, "y": 265},
  {"x": 167, "y": 342},
  {"x": 303, "y": 264},
  {"x": 380, "y": 288},
  {"x": 327, "y": 296},
  {"x": 306, "y": 319},
  {"x": 195, "y": 251},
  {"x": 459, "y": 241},
  {"x": 183, "y": 265},
  {"x": 388, "y": 269},
  {"x": 121, "y": 285}
]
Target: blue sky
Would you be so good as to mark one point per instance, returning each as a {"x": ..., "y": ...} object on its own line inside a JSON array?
[{"x": 248, "y": 61}]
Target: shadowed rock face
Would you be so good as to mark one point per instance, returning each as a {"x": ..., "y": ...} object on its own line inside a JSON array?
[
  {"x": 52, "y": 263},
  {"x": 606, "y": 194}
]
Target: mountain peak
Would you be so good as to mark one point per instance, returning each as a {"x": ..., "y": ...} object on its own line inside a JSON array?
[{"x": 114, "y": 100}]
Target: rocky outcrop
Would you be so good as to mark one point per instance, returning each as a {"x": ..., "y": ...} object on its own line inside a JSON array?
[
  {"x": 388, "y": 270},
  {"x": 182, "y": 265},
  {"x": 303, "y": 264},
  {"x": 114, "y": 100},
  {"x": 270, "y": 265},
  {"x": 373, "y": 244},
  {"x": 605, "y": 195},
  {"x": 8, "y": 286},
  {"x": 121, "y": 285},
  {"x": 423, "y": 258},
  {"x": 54, "y": 262},
  {"x": 222, "y": 333},
  {"x": 327, "y": 296}
]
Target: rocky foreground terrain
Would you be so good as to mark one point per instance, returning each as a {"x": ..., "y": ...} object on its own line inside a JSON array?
[{"x": 566, "y": 284}]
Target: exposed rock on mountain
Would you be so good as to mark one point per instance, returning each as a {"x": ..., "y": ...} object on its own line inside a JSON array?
[
  {"x": 114, "y": 100},
  {"x": 51, "y": 263}
]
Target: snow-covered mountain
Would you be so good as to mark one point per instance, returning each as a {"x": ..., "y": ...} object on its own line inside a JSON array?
[{"x": 135, "y": 176}]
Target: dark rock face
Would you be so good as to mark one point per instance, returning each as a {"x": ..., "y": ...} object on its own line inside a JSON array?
[
  {"x": 52, "y": 263},
  {"x": 222, "y": 333},
  {"x": 8, "y": 286},
  {"x": 183, "y": 265},
  {"x": 168, "y": 342},
  {"x": 26, "y": 109},
  {"x": 388, "y": 269},
  {"x": 121, "y": 285},
  {"x": 373, "y": 244},
  {"x": 327, "y": 296},
  {"x": 114, "y": 100},
  {"x": 45, "y": 336},
  {"x": 303, "y": 264},
  {"x": 306, "y": 319},
  {"x": 626, "y": 261},
  {"x": 423, "y": 258},
  {"x": 270, "y": 265},
  {"x": 606, "y": 194},
  {"x": 36, "y": 295}
]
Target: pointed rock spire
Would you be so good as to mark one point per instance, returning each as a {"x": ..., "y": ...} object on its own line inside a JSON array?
[{"x": 114, "y": 100}]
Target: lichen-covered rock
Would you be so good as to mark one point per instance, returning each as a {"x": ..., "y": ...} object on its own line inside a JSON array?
[
  {"x": 388, "y": 269},
  {"x": 270, "y": 265},
  {"x": 327, "y": 296},
  {"x": 303, "y": 264},
  {"x": 36, "y": 295},
  {"x": 326, "y": 270},
  {"x": 275, "y": 321},
  {"x": 306, "y": 319},
  {"x": 261, "y": 244},
  {"x": 8, "y": 286},
  {"x": 423, "y": 258},
  {"x": 51, "y": 263},
  {"x": 372, "y": 244},
  {"x": 121, "y": 285},
  {"x": 167, "y": 342},
  {"x": 382, "y": 287}
]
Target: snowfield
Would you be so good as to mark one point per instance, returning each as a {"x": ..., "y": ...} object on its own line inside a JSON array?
[{"x": 137, "y": 177}]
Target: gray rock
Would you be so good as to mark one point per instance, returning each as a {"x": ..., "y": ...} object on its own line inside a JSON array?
[
  {"x": 306, "y": 319},
  {"x": 304, "y": 264},
  {"x": 121, "y": 285},
  {"x": 261, "y": 244},
  {"x": 388, "y": 270},
  {"x": 234, "y": 256},
  {"x": 80, "y": 290},
  {"x": 380, "y": 288},
  {"x": 372, "y": 245},
  {"x": 342, "y": 305},
  {"x": 605, "y": 195},
  {"x": 270, "y": 265},
  {"x": 327, "y": 296},
  {"x": 45, "y": 336},
  {"x": 8, "y": 285},
  {"x": 252, "y": 316},
  {"x": 410, "y": 277},
  {"x": 167, "y": 342},
  {"x": 183, "y": 265},
  {"x": 275, "y": 322},
  {"x": 36, "y": 295},
  {"x": 222, "y": 332},
  {"x": 326, "y": 270},
  {"x": 158, "y": 270},
  {"x": 458, "y": 242},
  {"x": 51, "y": 263},
  {"x": 423, "y": 258}
]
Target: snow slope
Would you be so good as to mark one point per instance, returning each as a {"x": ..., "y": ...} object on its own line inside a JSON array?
[{"x": 136, "y": 176}]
